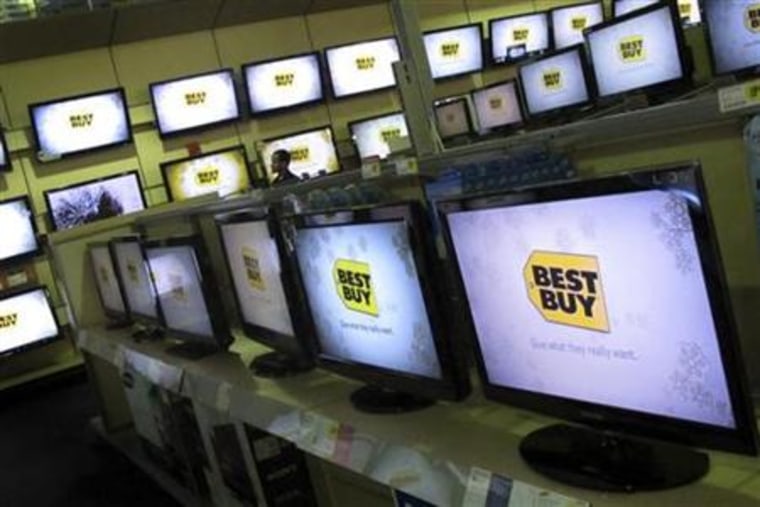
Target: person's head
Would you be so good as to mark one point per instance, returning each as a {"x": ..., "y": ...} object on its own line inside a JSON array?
[{"x": 280, "y": 162}]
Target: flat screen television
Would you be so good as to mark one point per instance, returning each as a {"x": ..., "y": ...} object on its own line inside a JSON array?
[
  {"x": 283, "y": 83},
  {"x": 733, "y": 35},
  {"x": 372, "y": 287},
  {"x": 497, "y": 106},
  {"x": 93, "y": 200},
  {"x": 362, "y": 67},
  {"x": 107, "y": 284},
  {"x": 569, "y": 22},
  {"x": 453, "y": 118},
  {"x": 19, "y": 231},
  {"x": 187, "y": 295},
  {"x": 372, "y": 136},
  {"x": 515, "y": 38},
  {"x": 80, "y": 124},
  {"x": 131, "y": 269},
  {"x": 27, "y": 320},
  {"x": 221, "y": 172},
  {"x": 618, "y": 320},
  {"x": 454, "y": 51},
  {"x": 312, "y": 153},
  {"x": 265, "y": 289},
  {"x": 641, "y": 51},
  {"x": 623, "y": 7},
  {"x": 194, "y": 102},
  {"x": 5, "y": 159},
  {"x": 557, "y": 82}
]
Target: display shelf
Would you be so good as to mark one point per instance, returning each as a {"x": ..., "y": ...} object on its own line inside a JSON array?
[{"x": 64, "y": 365}]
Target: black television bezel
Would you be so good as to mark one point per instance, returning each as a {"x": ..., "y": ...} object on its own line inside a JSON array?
[
  {"x": 449, "y": 101},
  {"x": 32, "y": 253},
  {"x": 454, "y": 383},
  {"x": 27, "y": 289},
  {"x": 329, "y": 74},
  {"x": 740, "y": 72},
  {"x": 281, "y": 109},
  {"x": 5, "y": 153},
  {"x": 137, "y": 317},
  {"x": 528, "y": 54},
  {"x": 298, "y": 179},
  {"x": 482, "y": 66},
  {"x": 163, "y": 166},
  {"x": 222, "y": 338},
  {"x": 111, "y": 314},
  {"x": 552, "y": 24},
  {"x": 743, "y": 439},
  {"x": 51, "y": 215},
  {"x": 518, "y": 95},
  {"x": 297, "y": 346},
  {"x": 615, "y": 14},
  {"x": 118, "y": 90},
  {"x": 350, "y": 126}
]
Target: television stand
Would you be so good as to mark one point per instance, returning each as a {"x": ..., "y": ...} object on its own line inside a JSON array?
[
  {"x": 593, "y": 459},
  {"x": 378, "y": 400},
  {"x": 192, "y": 350},
  {"x": 150, "y": 333},
  {"x": 118, "y": 324},
  {"x": 278, "y": 365}
]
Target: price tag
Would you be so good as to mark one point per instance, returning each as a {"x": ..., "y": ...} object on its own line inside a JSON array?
[
  {"x": 223, "y": 397},
  {"x": 407, "y": 166},
  {"x": 319, "y": 435},
  {"x": 477, "y": 488},
  {"x": 18, "y": 278},
  {"x": 371, "y": 168},
  {"x": 119, "y": 358},
  {"x": 742, "y": 96}
]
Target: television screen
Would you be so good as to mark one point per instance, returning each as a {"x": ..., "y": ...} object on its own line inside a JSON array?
[
  {"x": 83, "y": 203},
  {"x": 453, "y": 118},
  {"x": 134, "y": 279},
  {"x": 640, "y": 50},
  {"x": 223, "y": 172},
  {"x": 372, "y": 135},
  {"x": 517, "y": 37},
  {"x": 79, "y": 124},
  {"x": 555, "y": 82},
  {"x": 193, "y": 102},
  {"x": 497, "y": 106},
  {"x": 27, "y": 319},
  {"x": 282, "y": 83},
  {"x": 454, "y": 51},
  {"x": 106, "y": 282},
  {"x": 5, "y": 159},
  {"x": 733, "y": 35},
  {"x": 19, "y": 230},
  {"x": 312, "y": 153},
  {"x": 362, "y": 67},
  {"x": 569, "y": 22},
  {"x": 623, "y": 7}
]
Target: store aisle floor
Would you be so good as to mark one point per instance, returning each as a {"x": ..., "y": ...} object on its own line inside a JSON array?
[{"x": 50, "y": 456}]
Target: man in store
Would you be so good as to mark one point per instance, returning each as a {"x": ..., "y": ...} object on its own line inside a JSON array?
[{"x": 280, "y": 164}]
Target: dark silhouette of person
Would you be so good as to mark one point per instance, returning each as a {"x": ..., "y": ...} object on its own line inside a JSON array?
[{"x": 280, "y": 163}]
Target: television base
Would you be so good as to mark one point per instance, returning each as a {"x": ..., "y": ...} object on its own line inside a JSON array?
[
  {"x": 278, "y": 365},
  {"x": 192, "y": 350},
  {"x": 377, "y": 400},
  {"x": 148, "y": 333},
  {"x": 113, "y": 325},
  {"x": 592, "y": 459}
]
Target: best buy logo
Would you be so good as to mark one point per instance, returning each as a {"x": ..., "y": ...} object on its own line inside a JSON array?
[
  {"x": 567, "y": 289},
  {"x": 353, "y": 281},
  {"x": 578, "y": 23},
  {"x": 195, "y": 98},
  {"x": 285, "y": 79},
  {"x": 8, "y": 321},
  {"x": 752, "y": 18},
  {"x": 207, "y": 177},
  {"x": 253, "y": 269},
  {"x": 103, "y": 273},
  {"x": 631, "y": 49},
  {"x": 365, "y": 63},
  {"x": 495, "y": 102},
  {"x": 81, "y": 120},
  {"x": 684, "y": 8},
  {"x": 521, "y": 34},
  {"x": 390, "y": 133},
  {"x": 450, "y": 49},
  {"x": 132, "y": 272},
  {"x": 552, "y": 79},
  {"x": 177, "y": 287},
  {"x": 299, "y": 154}
]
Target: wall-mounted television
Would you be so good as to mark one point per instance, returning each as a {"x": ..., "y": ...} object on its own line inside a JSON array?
[
  {"x": 19, "y": 236},
  {"x": 312, "y": 153},
  {"x": 733, "y": 35},
  {"x": 452, "y": 117},
  {"x": 623, "y": 7},
  {"x": 372, "y": 135},
  {"x": 80, "y": 124},
  {"x": 454, "y": 51},
  {"x": 362, "y": 67},
  {"x": 515, "y": 38},
  {"x": 194, "y": 102},
  {"x": 223, "y": 172},
  {"x": 497, "y": 106},
  {"x": 282, "y": 83},
  {"x": 93, "y": 200},
  {"x": 27, "y": 320},
  {"x": 5, "y": 159},
  {"x": 569, "y": 22}
]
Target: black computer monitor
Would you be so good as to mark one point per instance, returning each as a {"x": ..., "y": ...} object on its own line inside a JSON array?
[
  {"x": 372, "y": 136},
  {"x": 19, "y": 231},
  {"x": 223, "y": 172},
  {"x": 498, "y": 107},
  {"x": 453, "y": 117},
  {"x": 110, "y": 293},
  {"x": 283, "y": 83},
  {"x": 514, "y": 38},
  {"x": 454, "y": 51},
  {"x": 603, "y": 302},
  {"x": 27, "y": 320},
  {"x": 569, "y": 22},
  {"x": 139, "y": 292},
  {"x": 733, "y": 35}
]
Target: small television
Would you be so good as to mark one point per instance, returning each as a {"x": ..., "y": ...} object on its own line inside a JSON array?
[
  {"x": 497, "y": 106},
  {"x": 265, "y": 291},
  {"x": 569, "y": 22},
  {"x": 515, "y": 38},
  {"x": 131, "y": 269},
  {"x": 93, "y": 200},
  {"x": 556, "y": 82},
  {"x": 27, "y": 320},
  {"x": 80, "y": 124},
  {"x": 19, "y": 231},
  {"x": 641, "y": 51},
  {"x": 454, "y": 51},
  {"x": 107, "y": 284},
  {"x": 362, "y": 67},
  {"x": 372, "y": 136},
  {"x": 222, "y": 172},
  {"x": 733, "y": 36},
  {"x": 312, "y": 153},
  {"x": 5, "y": 158},
  {"x": 618, "y": 320},
  {"x": 194, "y": 102},
  {"x": 188, "y": 296},
  {"x": 453, "y": 117},
  {"x": 623, "y": 7},
  {"x": 283, "y": 83},
  {"x": 373, "y": 291}
]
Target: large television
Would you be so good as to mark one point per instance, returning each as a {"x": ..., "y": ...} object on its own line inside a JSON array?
[
  {"x": 134, "y": 278},
  {"x": 452, "y": 116},
  {"x": 312, "y": 153},
  {"x": 569, "y": 22},
  {"x": 93, "y": 200},
  {"x": 221, "y": 172},
  {"x": 497, "y": 106},
  {"x": 362, "y": 67},
  {"x": 733, "y": 35},
  {"x": 283, "y": 83},
  {"x": 19, "y": 231},
  {"x": 27, "y": 320},
  {"x": 373, "y": 291},
  {"x": 641, "y": 51},
  {"x": 265, "y": 290},
  {"x": 454, "y": 51},
  {"x": 80, "y": 124},
  {"x": 618, "y": 320},
  {"x": 5, "y": 159},
  {"x": 194, "y": 102},
  {"x": 107, "y": 285},
  {"x": 372, "y": 136},
  {"x": 515, "y": 38}
]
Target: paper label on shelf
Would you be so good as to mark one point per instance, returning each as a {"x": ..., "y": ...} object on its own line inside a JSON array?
[
  {"x": 223, "y": 397},
  {"x": 741, "y": 96},
  {"x": 18, "y": 278},
  {"x": 83, "y": 339},
  {"x": 319, "y": 435},
  {"x": 371, "y": 168},
  {"x": 524, "y": 494},
  {"x": 477, "y": 488},
  {"x": 119, "y": 358},
  {"x": 405, "y": 166}
]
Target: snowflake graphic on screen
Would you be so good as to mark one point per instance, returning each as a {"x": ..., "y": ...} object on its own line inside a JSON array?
[
  {"x": 674, "y": 223},
  {"x": 689, "y": 380},
  {"x": 86, "y": 206}
]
